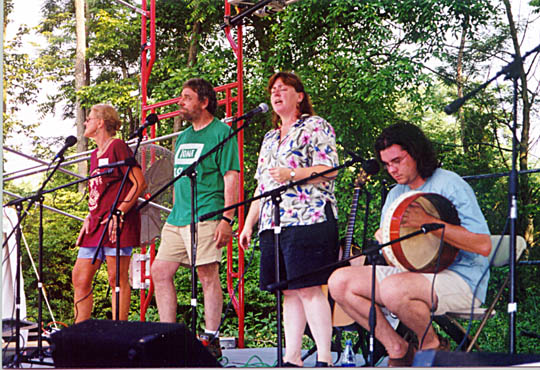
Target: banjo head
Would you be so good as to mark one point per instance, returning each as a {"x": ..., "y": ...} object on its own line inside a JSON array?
[{"x": 419, "y": 253}]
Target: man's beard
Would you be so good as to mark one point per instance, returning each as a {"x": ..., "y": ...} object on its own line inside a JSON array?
[{"x": 190, "y": 116}]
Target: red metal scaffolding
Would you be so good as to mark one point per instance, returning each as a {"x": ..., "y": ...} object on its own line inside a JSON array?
[{"x": 148, "y": 56}]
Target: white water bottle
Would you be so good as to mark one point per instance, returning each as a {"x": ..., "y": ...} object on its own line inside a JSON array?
[{"x": 349, "y": 358}]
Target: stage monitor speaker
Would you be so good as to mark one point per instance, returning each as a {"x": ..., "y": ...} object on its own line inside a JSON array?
[
  {"x": 431, "y": 358},
  {"x": 107, "y": 343}
]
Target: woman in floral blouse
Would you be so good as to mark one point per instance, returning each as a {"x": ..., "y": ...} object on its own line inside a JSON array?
[{"x": 299, "y": 145}]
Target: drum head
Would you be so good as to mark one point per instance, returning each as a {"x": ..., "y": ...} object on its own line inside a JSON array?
[{"x": 419, "y": 253}]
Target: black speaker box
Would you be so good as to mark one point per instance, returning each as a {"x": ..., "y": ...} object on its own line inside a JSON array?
[
  {"x": 453, "y": 359},
  {"x": 107, "y": 343}
]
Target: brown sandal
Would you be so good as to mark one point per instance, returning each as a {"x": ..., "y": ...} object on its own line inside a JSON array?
[
  {"x": 404, "y": 361},
  {"x": 444, "y": 344}
]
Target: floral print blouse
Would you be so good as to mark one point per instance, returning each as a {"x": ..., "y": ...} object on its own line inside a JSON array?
[{"x": 311, "y": 141}]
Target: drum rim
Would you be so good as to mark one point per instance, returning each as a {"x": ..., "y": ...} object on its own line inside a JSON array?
[{"x": 394, "y": 253}]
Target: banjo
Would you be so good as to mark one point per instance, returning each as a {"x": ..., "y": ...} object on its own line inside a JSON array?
[{"x": 419, "y": 253}]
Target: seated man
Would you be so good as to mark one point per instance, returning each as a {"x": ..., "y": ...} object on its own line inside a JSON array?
[{"x": 409, "y": 158}]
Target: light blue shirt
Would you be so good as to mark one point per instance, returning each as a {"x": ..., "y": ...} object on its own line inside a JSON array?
[{"x": 470, "y": 266}]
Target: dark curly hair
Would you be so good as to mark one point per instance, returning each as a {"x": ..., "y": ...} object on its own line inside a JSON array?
[
  {"x": 414, "y": 141},
  {"x": 204, "y": 90},
  {"x": 290, "y": 79}
]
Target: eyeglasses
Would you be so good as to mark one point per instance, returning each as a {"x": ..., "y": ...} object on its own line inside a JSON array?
[
  {"x": 90, "y": 118},
  {"x": 396, "y": 161}
]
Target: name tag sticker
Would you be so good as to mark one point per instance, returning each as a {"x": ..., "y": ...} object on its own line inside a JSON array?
[{"x": 103, "y": 161}]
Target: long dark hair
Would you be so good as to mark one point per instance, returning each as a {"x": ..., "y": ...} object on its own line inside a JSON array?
[
  {"x": 412, "y": 140},
  {"x": 290, "y": 79}
]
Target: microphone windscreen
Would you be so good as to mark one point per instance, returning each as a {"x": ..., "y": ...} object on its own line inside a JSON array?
[
  {"x": 371, "y": 166},
  {"x": 70, "y": 141},
  {"x": 264, "y": 107},
  {"x": 152, "y": 118}
]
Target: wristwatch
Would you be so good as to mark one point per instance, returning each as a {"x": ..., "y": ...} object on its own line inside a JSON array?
[
  {"x": 292, "y": 174},
  {"x": 225, "y": 218}
]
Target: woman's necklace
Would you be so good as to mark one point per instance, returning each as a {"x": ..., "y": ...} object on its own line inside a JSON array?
[{"x": 101, "y": 151}]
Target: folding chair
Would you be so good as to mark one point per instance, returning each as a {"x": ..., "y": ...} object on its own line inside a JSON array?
[{"x": 449, "y": 321}]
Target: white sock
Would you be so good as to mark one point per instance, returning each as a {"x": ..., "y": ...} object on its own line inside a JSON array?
[{"x": 212, "y": 332}]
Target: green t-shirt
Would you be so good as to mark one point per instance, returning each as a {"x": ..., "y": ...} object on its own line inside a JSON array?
[{"x": 190, "y": 146}]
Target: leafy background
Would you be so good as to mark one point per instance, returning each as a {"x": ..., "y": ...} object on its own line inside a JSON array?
[{"x": 364, "y": 65}]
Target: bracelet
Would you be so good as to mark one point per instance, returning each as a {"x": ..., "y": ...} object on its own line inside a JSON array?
[
  {"x": 121, "y": 215},
  {"x": 229, "y": 221}
]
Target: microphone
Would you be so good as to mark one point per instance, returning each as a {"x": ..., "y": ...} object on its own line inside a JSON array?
[
  {"x": 149, "y": 121},
  {"x": 261, "y": 108},
  {"x": 426, "y": 228},
  {"x": 454, "y": 106},
  {"x": 370, "y": 166},
  {"x": 70, "y": 141},
  {"x": 127, "y": 162}
]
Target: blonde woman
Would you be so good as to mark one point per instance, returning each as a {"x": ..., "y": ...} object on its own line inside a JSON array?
[{"x": 101, "y": 126}]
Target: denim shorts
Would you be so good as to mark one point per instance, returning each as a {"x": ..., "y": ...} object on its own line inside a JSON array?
[
  {"x": 302, "y": 249},
  {"x": 88, "y": 252}
]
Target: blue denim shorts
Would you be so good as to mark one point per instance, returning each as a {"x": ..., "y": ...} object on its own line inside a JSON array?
[
  {"x": 302, "y": 249},
  {"x": 88, "y": 252}
]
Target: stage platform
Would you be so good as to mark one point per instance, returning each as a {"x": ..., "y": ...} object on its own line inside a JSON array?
[
  {"x": 237, "y": 357},
  {"x": 267, "y": 357}
]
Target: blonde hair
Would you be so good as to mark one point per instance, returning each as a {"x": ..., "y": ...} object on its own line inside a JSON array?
[{"x": 108, "y": 114}]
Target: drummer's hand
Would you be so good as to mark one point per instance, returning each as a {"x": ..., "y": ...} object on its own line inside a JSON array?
[
  {"x": 415, "y": 216},
  {"x": 378, "y": 236}
]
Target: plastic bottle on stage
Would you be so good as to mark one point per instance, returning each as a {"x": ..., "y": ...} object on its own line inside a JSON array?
[{"x": 349, "y": 358}]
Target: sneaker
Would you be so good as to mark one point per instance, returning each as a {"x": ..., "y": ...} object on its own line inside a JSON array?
[{"x": 211, "y": 343}]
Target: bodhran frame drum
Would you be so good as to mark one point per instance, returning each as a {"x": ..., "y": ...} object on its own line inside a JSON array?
[{"x": 419, "y": 253}]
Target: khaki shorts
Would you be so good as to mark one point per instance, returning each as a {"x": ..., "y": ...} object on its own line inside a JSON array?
[
  {"x": 453, "y": 293},
  {"x": 176, "y": 244}
]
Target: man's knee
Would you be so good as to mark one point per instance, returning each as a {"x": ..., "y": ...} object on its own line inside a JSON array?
[
  {"x": 393, "y": 291},
  {"x": 208, "y": 274},
  {"x": 161, "y": 273},
  {"x": 337, "y": 284}
]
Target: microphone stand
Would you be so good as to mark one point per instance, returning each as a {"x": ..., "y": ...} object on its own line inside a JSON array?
[
  {"x": 38, "y": 197},
  {"x": 275, "y": 196},
  {"x": 118, "y": 231},
  {"x": 190, "y": 171},
  {"x": 372, "y": 312},
  {"x": 512, "y": 71}
]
